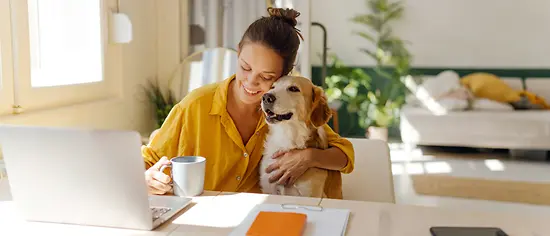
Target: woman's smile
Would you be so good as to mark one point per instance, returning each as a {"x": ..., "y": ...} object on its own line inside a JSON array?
[{"x": 250, "y": 92}]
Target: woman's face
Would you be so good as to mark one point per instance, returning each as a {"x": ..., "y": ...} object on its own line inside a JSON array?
[{"x": 258, "y": 68}]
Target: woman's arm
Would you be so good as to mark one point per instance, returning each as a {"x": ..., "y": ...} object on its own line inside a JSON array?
[
  {"x": 331, "y": 159},
  {"x": 166, "y": 141}
]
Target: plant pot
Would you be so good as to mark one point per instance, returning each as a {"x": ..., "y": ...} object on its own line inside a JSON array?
[{"x": 374, "y": 132}]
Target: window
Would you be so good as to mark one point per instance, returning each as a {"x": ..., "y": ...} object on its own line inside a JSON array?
[
  {"x": 65, "y": 42},
  {"x": 6, "y": 85},
  {"x": 63, "y": 56}
]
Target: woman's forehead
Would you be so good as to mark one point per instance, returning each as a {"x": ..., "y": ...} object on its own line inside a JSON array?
[{"x": 261, "y": 58}]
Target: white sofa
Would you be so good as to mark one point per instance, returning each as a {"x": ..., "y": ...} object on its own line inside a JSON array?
[{"x": 506, "y": 129}]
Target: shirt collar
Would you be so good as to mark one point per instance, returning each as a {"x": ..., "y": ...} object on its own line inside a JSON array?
[{"x": 219, "y": 102}]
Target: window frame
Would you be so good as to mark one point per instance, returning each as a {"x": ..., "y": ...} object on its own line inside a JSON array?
[
  {"x": 6, "y": 67},
  {"x": 39, "y": 98}
]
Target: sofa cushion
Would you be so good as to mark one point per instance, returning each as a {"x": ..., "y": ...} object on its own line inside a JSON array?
[
  {"x": 440, "y": 93},
  {"x": 488, "y": 104}
]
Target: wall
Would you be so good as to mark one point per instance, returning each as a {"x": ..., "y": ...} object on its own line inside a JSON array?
[
  {"x": 139, "y": 62},
  {"x": 465, "y": 33}
]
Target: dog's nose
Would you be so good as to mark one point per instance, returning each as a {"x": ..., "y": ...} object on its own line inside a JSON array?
[{"x": 268, "y": 98}]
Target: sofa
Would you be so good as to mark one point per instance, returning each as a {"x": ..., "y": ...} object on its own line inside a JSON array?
[{"x": 476, "y": 121}]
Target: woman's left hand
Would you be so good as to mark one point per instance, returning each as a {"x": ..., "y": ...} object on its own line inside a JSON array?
[{"x": 290, "y": 166}]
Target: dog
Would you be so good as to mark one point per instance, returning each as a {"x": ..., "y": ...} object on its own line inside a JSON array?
[{"x": 295, "y": 110}]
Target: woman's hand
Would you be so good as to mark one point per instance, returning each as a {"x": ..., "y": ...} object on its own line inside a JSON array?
[
  {"x": 290, "y": 165},
  {"x": 158, "y": 182}
]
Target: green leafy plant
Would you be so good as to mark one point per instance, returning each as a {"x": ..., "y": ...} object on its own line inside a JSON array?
[
  {"x": 381, "y": 106},
  {"x": 163, "y": 103},
  {"x": 349, "y": 85}
]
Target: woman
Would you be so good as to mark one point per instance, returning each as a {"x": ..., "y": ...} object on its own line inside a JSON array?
[{"x": 223, "y": 123}]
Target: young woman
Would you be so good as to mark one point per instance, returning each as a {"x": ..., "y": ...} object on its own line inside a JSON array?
[{"x": 223, "y": 122}]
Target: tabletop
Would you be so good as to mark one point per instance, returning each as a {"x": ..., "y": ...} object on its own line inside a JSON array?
[{"x": 218, "y": 213}]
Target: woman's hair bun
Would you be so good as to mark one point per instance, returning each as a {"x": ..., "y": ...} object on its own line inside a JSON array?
[{"x": 288, "y": 15}]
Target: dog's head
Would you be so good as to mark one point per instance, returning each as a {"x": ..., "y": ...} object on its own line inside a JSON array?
[{"x": 294, "y": 98}]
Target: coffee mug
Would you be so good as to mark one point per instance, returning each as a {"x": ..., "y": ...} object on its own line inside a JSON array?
[{"x": 187, "y": 175}]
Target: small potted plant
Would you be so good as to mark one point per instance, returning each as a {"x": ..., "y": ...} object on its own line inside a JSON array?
[
  {"x": 381, "y": 108},
  {"x": 162, "y": 102}
]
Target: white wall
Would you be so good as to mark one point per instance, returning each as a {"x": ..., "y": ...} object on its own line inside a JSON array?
[
  {"x": 139, "y": 62},
  {"x": 460, "y": 33}
]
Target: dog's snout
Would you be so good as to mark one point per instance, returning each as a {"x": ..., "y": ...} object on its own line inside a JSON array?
[{"x": 268, "y": 98}]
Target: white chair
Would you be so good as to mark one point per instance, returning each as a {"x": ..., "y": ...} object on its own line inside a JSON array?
[{"x": 371, "y": 179}]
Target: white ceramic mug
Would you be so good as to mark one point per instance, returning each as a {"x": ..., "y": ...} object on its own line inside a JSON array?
[{"x": 187, "y": 175}]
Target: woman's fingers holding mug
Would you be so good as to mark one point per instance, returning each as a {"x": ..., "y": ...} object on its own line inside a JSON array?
[
  {"x": 161, "y": 177},
  {"x": 163, "y": 161},
  {"x": 157, "y": 187}
]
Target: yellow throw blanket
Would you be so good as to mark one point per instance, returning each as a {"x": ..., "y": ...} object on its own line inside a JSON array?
[
  {"x": 485, "y": 85},
  {"x": 535, "y": 99},
  {"x": 489, "y": 86}
]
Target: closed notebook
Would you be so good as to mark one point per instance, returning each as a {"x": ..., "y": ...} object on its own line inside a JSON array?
[
  {"x": 268, "y": 223},
  {"x": 319, "y": 221}
]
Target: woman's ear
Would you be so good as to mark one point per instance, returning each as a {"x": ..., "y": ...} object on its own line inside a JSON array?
[{"x": 321, "y": 112}]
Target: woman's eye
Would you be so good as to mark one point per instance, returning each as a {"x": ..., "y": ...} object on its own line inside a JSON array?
[
  {"x": 293, "y": 89},
  {"x": 246, "y": 69}
]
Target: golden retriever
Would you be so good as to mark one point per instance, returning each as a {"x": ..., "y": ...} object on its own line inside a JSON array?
[{"x": 295, "y": 110}]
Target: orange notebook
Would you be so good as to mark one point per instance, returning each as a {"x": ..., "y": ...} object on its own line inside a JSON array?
[{"x": 269, "y": 223}]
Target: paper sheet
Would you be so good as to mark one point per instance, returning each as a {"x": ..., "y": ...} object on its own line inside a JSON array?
[{"x": 320, "y": 221}]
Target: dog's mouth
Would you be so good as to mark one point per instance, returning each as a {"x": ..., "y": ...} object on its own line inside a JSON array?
[{"x": 272, "y": 117}]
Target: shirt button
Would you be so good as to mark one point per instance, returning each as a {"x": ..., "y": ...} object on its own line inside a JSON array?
[
  {"x": 238, "y": 178},
  {"x": 245, "y": 154}
]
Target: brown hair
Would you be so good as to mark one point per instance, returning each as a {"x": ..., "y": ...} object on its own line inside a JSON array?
[{"x": 278, "y": 31}]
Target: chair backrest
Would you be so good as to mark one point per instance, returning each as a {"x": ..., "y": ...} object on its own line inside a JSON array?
[{"x": 371, "y": 179}]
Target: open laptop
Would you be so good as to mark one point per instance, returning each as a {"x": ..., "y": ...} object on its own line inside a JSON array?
[{"x": 84, "y": 177}]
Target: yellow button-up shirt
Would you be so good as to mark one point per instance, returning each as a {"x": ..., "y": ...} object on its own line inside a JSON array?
[{"x": 200, "y": 125}]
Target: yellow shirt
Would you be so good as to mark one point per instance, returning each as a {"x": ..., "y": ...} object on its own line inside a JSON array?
[{"x": 200, "y": 125}]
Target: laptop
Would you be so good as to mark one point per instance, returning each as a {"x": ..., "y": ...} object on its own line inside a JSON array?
[{"x": 82, "y": 177}]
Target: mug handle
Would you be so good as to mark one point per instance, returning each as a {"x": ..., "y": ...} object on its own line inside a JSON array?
[
  {"x": 169, "y": 165},
  {"x": 165, "y": 166}
]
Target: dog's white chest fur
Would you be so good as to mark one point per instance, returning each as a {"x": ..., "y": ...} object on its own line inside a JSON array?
[{"x": 285, "y": 137}]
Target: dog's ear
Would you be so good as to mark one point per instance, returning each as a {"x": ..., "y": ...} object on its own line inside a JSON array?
[{"x": 320, "y": 113}]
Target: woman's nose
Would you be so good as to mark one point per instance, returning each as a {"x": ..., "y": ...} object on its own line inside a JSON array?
[{"x": 253, "y": 79}]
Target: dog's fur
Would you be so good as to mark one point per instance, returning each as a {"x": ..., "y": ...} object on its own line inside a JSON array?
[{"x": 310, "y": 111}]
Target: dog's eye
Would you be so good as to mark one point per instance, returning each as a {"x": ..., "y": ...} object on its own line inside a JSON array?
[
  {"x": 272, "y": 87},
  {"x": 293, "y": 89}
]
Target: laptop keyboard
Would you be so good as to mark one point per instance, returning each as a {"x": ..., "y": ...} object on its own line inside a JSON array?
[{"x": 159, "y": 211}]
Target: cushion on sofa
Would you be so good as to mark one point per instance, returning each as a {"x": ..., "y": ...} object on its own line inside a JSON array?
[
  {"x": 440, "y": 93},
  {"x": 490, "y": 105}
]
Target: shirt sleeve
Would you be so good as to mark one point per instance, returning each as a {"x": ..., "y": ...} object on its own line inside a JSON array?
[
  {"x": 335, "y": 140},
  {"x": 166, "y": 141}
]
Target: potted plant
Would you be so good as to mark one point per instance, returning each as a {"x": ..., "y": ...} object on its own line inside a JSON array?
[
  {"x": 392, "y": 63},
  {"x": 162, "y": 103},
  {"x": 347, "y": 85}
]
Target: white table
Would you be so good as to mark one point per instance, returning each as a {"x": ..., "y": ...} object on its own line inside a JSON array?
[{"x": 217, "y": 213}]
